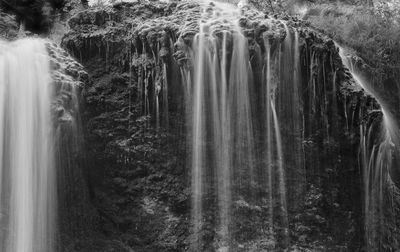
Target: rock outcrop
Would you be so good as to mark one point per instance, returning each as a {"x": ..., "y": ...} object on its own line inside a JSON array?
[{"x": 135, "y": 130}]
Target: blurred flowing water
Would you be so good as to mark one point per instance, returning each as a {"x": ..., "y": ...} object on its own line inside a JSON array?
[
  {"x": 230, "y": 162},
  {"x": 220, "y": 95},
  {"x": 379, "y": 141},
  {"x": 249, "y": 119},
  {"x": 248, "y": 115},
  {"x": 27, "y": 172}
]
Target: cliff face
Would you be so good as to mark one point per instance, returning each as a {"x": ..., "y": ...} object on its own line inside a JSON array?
[
  {"x": 8, "y": 26},
  {"x": 135, "y": 170},
  {"x": 135, "y": 149}
]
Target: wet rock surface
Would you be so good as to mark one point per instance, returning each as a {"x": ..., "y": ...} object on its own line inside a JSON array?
[
  {"x": 136, "y": 175},
  {"x": 134, "y": 128}
]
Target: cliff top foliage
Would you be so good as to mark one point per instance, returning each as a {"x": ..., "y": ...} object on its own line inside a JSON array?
[
  {"x": 373, "y": 31},
  {"x": 370, "y": 27}
]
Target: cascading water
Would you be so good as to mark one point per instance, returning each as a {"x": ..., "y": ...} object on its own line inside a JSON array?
[
  {"x": 226, "y": 164},
  {"x": 27, "y": 174},
  {"x": 379, "y": 139},
  {"x": 377, "y": 150},
  {"x": 272, "y": 123},
  {"x": 220, "y": 94}
]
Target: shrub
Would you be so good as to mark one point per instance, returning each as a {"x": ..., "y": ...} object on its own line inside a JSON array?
[{"x": 373, "y": 31}]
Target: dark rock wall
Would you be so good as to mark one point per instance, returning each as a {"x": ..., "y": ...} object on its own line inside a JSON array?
[
  {"x": 134, "y": 129},
  {"x": 75, "y": 215},
  {"x": 135, "y": 162},
  {"x": 333, "y": 109}
]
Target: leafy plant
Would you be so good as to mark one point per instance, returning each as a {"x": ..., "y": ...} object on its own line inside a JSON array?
[{"x": 373, "y": 31}]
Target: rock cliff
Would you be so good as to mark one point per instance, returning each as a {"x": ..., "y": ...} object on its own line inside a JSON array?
[{"x": 135, "y": 130}]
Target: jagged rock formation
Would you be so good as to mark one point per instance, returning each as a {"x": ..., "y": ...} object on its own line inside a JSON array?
[{"x": 135, "y": 157}]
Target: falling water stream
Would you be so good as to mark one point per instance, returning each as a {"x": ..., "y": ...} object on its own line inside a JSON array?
[
  {"x": 240, "y": 150},
  {"x": 378, "y": 149},
  {"x": 27, "y": 175},
  {"x": 225, "y": 126},
  {"x": 220, "y": 94}
]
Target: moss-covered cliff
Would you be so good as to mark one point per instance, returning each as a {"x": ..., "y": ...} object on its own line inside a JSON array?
[{"x": 135, "y": 130}]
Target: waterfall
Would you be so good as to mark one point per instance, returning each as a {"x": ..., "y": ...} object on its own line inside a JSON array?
[
  {"x": 228, "y": 167},
  {"x": 221, "y": 116},
  {"x": 274, "y": 140},
  {"x": 376, "y": 156},
  {"x": 27, "y": 174},
  {"x": 378, "y": 140}
]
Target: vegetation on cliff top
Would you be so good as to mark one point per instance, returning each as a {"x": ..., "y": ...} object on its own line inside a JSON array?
[{"x": 371, "y": 27}]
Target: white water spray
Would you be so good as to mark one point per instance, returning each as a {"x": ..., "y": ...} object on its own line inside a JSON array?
[
  {"x": 221, "y": 120},
  {"x": 27, "y": 175}
]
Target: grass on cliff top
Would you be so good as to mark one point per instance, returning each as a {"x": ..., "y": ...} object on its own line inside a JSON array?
[{"x": 372, "y": 31}]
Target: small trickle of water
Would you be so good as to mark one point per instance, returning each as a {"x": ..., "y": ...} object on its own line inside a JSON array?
[
  {"x": 27, "y": 175},
  {"x": 376, "y": 157}
]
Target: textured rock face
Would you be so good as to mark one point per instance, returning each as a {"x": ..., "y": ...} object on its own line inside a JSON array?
[
  {"x": 135, "y": 133},
  {"x": 8, "y": 26},
  {"x": 75, "y": 215},
  {"x": 136, "y": 172}
]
